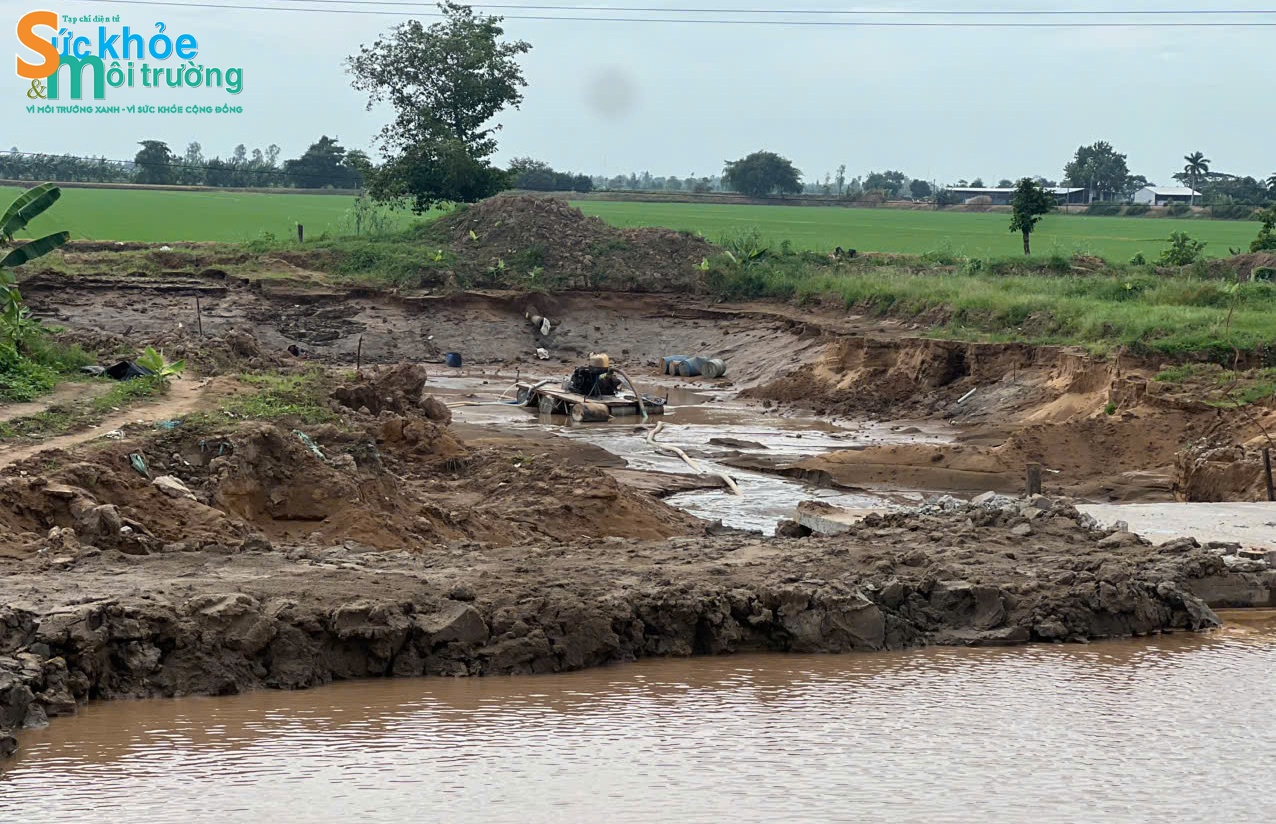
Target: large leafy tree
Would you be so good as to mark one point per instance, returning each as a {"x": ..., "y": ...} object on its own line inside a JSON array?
[
  {"x": 154, "y": 162},
  {"x": 446, "y": 83},
  {"x": 1030, "y": 203},
  {"x": 761, "y": 174},
  {"x": 1197, "y": 166},
  {"x": 433, "y": 171},
  {"x": 1098, "y": 168}
]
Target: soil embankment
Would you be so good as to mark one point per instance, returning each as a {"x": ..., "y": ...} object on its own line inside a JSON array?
[{"x": 93, "y": 624}]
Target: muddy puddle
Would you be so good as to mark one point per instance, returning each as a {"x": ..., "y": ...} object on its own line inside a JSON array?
[
  {"x": 1175, "y": 728},
  {"x": 711, "y": 427}
]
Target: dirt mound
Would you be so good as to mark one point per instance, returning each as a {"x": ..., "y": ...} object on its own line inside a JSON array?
[
  {"x": 399, "y": 389},
  {"x": 573, "y": 250},
  {"x": 397, "y": 481},
  {"x": 1246, "y": 264}
]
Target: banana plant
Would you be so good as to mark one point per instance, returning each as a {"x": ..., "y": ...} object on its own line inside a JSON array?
[
  {"x": 21, "y": 212},
  {"x": 16, "y": 324},
  {"x": 155, "y": 363}
]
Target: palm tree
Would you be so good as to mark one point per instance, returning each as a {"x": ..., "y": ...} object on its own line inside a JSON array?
[{"x": 1197, "y": 164}]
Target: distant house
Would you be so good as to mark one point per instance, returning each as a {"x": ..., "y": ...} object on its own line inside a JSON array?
[
  {"x": 1165, "y": 195},
  {"x": 1002, "y": 197}
]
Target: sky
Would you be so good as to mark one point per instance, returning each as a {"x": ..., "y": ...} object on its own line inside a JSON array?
[{"x": 682, "y": 98}]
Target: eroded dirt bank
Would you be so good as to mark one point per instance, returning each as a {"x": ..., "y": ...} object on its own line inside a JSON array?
[
  {"x": 98, "y": 624},
  {"x": 1103, "y": 428}
]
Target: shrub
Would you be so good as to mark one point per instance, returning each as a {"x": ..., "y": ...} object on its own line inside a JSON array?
[
  {"x": 1177, "y": 209},
  {"x": 1139, "y": 260},
  {"x": 1103, "y": 209},
  {"x": 1137, "y": 209},
  {"x": 1231, "y": 211},
  {"x": 1183, "y": 251},
  {"x": 1266, "y": 240},
  {"x": 1265, "y": 274}
]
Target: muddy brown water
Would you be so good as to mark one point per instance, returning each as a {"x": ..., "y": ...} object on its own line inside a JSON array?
[
  {"x": 693, "y": 418},
  {"x": 1174, "y": 728}
]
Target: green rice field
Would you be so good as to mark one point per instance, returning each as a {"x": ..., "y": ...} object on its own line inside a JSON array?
[
  {"x": 964, "y": 234},
  {"x": 165, "y": 216}
]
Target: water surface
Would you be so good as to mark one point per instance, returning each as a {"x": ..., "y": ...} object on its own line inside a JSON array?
[{"x": 1178, "y": 728}]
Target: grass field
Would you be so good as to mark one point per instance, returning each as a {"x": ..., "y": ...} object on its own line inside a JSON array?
[
  {"x": 964, "y": 234},
  {"x": 111, "y": 214},
  {"x": 114, "y": 214}
]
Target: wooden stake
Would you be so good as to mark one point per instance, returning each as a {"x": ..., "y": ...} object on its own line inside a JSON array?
[
  {"x": 1034, "y": 479},
  {"x": 1267, "y": 469},
  {"x": 301, "y": 235},
  {"x": 358, "y": 356},
  {"x": 199, "y": 317}
]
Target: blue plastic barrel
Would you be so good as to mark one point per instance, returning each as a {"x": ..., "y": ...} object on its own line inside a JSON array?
[
  {"x": 453, "y": 359},
  {"x": 691, "y": 367}
]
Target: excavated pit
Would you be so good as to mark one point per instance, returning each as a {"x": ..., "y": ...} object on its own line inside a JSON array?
[{"x": 407, "y": 538}]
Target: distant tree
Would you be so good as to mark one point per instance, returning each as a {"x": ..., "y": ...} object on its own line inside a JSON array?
[
  {"x": 1099, "y": 169},
  {"x": 538, "y": 176},
  {"x": 154, "y": 163},
  {"x": 1030, "y": 203},
  {"x": 1197, "y": 166},
  {"x": 1271, "y": 184},
  {"x": 218, "y": 172},
  {"x": 191, "y": 171},
  {"x": 761, "y": 174},
  {"x": 890, "y": 182},
  {"x": 446, "y": 84},
  {"x": 945, "y": 197},
  {"x": 323, "y": 165},
  {"x": 977, "y": 183},
  {"x": 919, "y": 189},
  {"x": 1005, "y": 183},
  {"x": 1220, "y": 189},
  {"x": 673, "y": 184},
  {"x": 1133, "y": 183},
  {"x": 841, "y": 179}
]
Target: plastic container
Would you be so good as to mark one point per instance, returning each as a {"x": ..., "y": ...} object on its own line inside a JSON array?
[
  {"x": 714, "y": 368},
  {"x": 453, "y": 359},
  {"x": 669, "y": 363},
  {"x": 691, "y": 367},
  {"x": 599, "y": 360}
]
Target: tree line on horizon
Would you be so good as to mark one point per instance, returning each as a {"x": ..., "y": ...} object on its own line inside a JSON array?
[{"x": 446, "y": 83}]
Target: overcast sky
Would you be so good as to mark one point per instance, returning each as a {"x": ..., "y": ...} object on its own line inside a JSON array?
[{"x": 611, "y": 97}]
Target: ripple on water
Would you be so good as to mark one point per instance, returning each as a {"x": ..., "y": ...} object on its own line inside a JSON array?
[{"x": 1178, "y": 728}]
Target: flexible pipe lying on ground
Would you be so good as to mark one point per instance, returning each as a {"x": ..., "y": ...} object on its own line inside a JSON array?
[{"x": 666, "y": 450}]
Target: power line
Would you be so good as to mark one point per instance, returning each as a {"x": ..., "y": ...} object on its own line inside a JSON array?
[
  {"x": 1195, "y": 24},
  {"x": 822, "y": 12}
]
